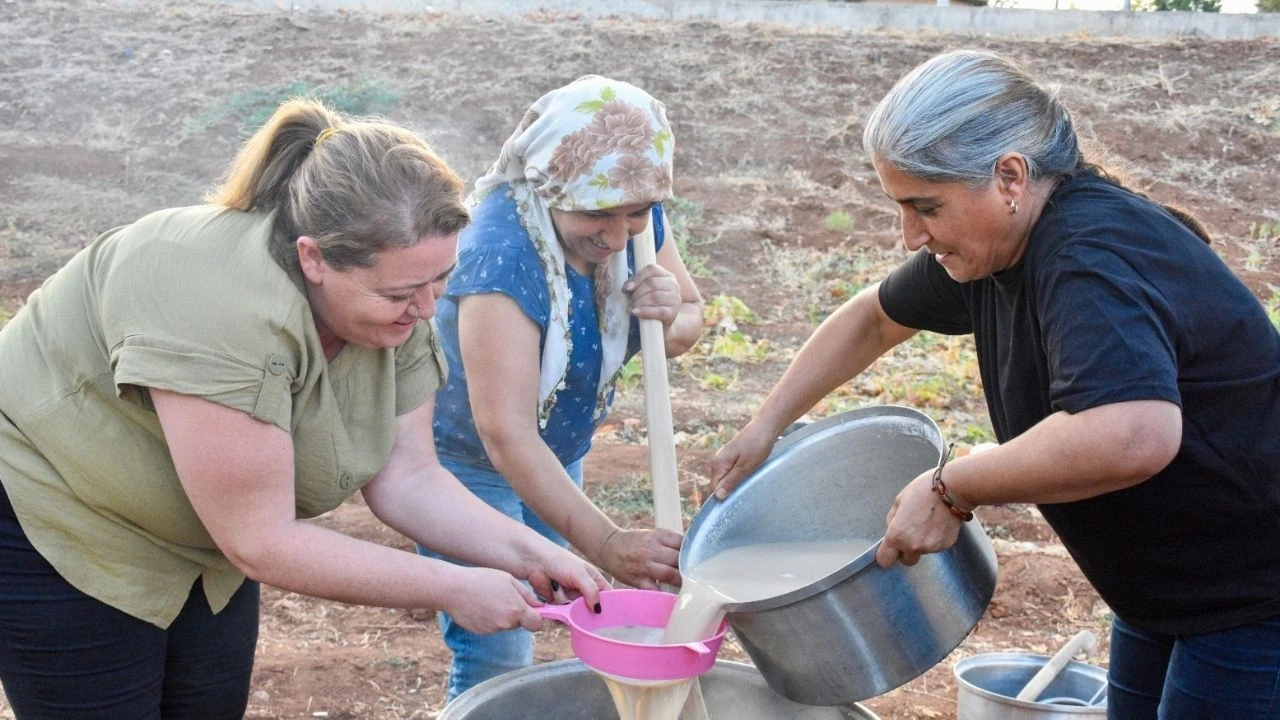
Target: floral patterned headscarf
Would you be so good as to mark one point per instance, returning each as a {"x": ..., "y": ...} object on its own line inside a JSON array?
[{"x": 594, "y": 144}]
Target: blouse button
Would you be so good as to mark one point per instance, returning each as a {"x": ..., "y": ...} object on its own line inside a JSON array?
[{"x": 276, "y": 364}]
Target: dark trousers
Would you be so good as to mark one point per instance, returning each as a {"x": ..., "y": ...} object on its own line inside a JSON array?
[
  {"x": 66, "y": 656},
  {"x": 1226, "y": 675}
]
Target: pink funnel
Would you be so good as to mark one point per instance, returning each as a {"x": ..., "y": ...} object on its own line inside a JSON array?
[{"x": 638, "y": 661}]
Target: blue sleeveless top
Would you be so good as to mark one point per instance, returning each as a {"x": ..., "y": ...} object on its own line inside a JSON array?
[{"x": 495, "y": 254}]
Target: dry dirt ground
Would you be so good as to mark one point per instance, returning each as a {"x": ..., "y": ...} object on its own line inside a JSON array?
[{"x": 111, "y": 109}]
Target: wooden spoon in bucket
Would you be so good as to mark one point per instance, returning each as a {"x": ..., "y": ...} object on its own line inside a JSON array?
[
  {"x": 662, "y": 443},
  {"x": 1084, "y": 641}
]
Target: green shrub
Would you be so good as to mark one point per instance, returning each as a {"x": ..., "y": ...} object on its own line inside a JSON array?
[
  {"x": 252, "y": 108},
  {"x": 839, "y": 221},
  {"x": 1187, "y": 5}
]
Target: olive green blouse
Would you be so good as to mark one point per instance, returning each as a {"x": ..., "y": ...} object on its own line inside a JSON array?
[{"x": 186, "y": 300}]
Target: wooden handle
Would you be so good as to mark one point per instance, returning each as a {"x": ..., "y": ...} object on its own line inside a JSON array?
[
  {"x": 1083, "y": 641},
  {"x": 657, "y": 406},
  {"x": 662, "y": 441}
]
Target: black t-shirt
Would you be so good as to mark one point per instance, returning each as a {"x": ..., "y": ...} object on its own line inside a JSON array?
[{"x": 1115, "y": 300}]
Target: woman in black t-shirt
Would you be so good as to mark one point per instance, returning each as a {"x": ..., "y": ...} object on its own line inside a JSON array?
[{"x": 1132, "y": 380}]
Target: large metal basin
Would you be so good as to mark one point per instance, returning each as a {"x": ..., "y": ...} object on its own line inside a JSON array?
[
  {"x": 863, "y": 630},
  {"x": 569, "y": 690},
  {"x": 988, "y": 684}
]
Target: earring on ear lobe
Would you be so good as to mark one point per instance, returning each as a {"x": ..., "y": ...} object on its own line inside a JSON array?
[{"x": 1013, "y": 207}]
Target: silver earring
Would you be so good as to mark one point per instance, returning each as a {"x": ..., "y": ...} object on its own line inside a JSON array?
[{"x": 1013, "y": 207}]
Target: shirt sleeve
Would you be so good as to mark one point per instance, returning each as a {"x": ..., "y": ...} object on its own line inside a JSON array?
[
  {"x": 507, "y": 269},
  {"x": 1106, "y": 331},
  {"x": 919, "y": 294},
  {"x": 172, "y": 324},
  {"x": 421, "y": 368}
]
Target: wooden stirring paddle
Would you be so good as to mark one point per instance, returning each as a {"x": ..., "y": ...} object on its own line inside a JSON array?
[
  {"x": 662, "y": 443},
  {"x": 1084, "y": 641}
]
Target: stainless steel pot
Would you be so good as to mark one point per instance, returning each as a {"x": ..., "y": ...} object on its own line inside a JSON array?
[
  {"x": 988, "y": 684},
  {"x": 567, "y": 690},
  {"x": 863, "y": 630}
]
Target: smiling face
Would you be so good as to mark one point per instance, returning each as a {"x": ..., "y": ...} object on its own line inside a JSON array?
[
  {"x": 589, "y": 237},
  {"x": 377, "y": 306},
  {"x": 970, "y": 231}
]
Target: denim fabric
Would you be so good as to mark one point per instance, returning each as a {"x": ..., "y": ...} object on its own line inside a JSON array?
[
  {"x": 1231, "y": 674},
  {"x": 67, "y": 656},
  {"x": 477, "y": 658}
]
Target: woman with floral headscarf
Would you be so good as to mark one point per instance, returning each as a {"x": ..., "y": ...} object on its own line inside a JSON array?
[{"x": 538, "y": 319}]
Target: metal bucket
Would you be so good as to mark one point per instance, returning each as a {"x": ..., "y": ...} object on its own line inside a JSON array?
[
  {"x": 987, "y": 685},
  {"x": 569, "y": 690},
  {"x": 863, "y": 630}
]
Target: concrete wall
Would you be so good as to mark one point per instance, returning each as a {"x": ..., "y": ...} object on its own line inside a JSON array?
[{"x": 956, "y": 18}]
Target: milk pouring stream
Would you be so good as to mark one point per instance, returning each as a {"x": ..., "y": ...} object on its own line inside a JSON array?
[{"x": 738, "y": 575}]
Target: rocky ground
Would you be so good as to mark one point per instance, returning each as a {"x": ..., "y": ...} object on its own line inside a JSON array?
[{"x": 111, "y": 109}]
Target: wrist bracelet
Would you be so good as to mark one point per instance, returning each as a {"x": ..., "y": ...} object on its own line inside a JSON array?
[{"x": 940, "y": 488}]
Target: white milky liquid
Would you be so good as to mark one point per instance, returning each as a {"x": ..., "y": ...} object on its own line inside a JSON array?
[{"x": 738, "y": 575}]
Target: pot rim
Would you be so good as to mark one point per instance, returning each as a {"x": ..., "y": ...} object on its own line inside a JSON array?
[
  {"x": 807, "y": 435},
  {"x": 476, "y": 696}
]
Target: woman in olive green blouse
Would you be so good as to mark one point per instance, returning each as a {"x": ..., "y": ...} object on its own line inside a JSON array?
[{"x": 187, "y": 390}]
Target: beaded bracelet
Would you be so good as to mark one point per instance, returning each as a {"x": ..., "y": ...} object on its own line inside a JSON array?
[{"x": 940, "y": 488}]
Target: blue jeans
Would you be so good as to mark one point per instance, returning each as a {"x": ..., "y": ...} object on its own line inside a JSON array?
[
  {"x": 477, "y": 658},
  {"x": 1226, "y": 675},
  {"x": 67, "y": 656}
]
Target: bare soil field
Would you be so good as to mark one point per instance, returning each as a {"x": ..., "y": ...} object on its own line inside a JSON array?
[{"x": 109, "y": 110}]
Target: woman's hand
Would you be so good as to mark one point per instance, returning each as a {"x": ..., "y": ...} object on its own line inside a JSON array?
[
  {"x": 744, "y": 453},
  {"x": 918, "y": 523},
  {"x": 643, "y": 558},
  {"x": 562, "y": 576},
  {"x": 491, "y": 600},
  {"x": 655, "y": 294}
]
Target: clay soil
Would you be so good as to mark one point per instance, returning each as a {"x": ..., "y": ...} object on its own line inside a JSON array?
[{"x": 111, "y": 109}]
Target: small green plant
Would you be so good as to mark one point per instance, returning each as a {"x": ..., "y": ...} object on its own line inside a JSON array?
[
  {"x": 714, "y": 437},
  {"x": 723, "y": 340},
  {"x": 14, "y": 242},
  {"x": 728, "y": 306},
  {"x": 681, "y": 214},
  {"x": 1268, "y": 6},
  {"x": 1264, "y": 231},
  {"x": 393, "y": 661},
  {"x": 632, "y": 373},
  {"x": 840, "y": 222},
  {"x": 1178, "y": 5},
  {"x": 252, "y": 107},
  {"x": 973, "y": 433},
  {"x": 737, "y": 346},
  {"x": 1261, "y": 245},
  {"x": 630, "y": 495},
  {"x": 712, "y": 380}
]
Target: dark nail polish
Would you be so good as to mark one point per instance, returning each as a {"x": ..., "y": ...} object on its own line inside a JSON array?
[
  {"x": 555, "y": 586},
  {"x": 597, "y": 608}
]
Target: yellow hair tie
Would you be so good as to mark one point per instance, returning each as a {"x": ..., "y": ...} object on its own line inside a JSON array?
[{"x": 325, "y": 134}]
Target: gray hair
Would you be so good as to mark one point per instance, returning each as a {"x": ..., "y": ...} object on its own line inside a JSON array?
[{"x": 951, "y": 118}]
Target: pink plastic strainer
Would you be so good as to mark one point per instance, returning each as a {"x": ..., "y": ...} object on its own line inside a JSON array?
[{"x": 639, "y": 661}]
